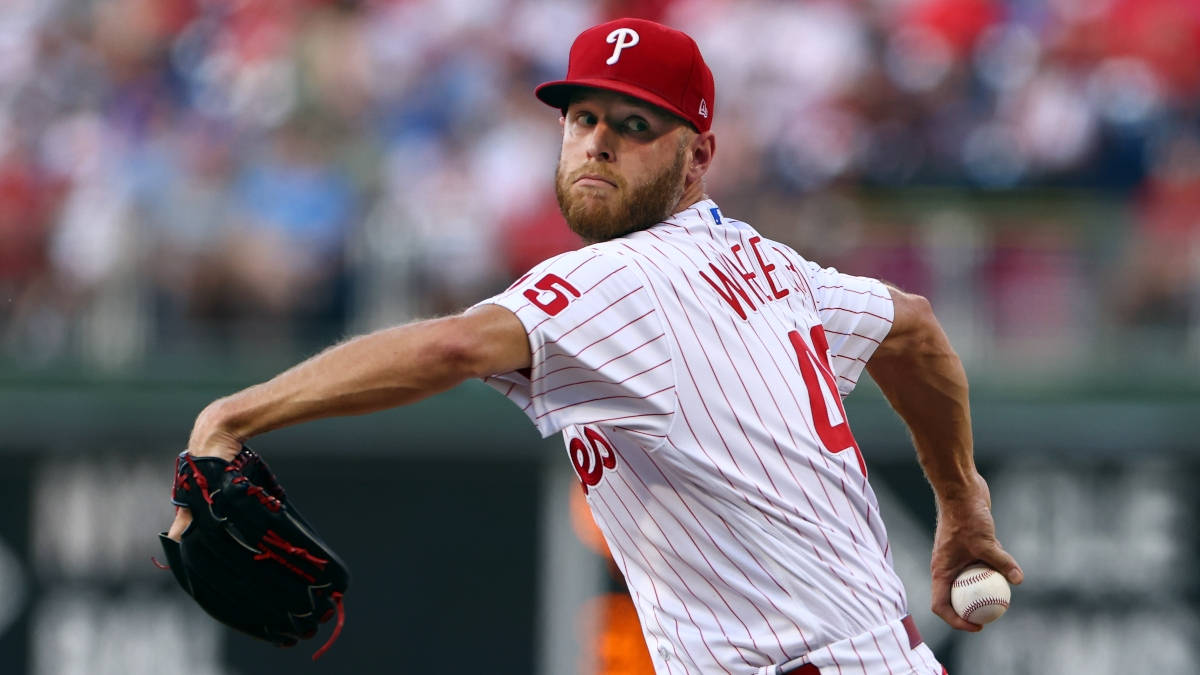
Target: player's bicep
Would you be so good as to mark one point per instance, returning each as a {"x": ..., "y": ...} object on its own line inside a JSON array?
[{"x": 493, "y": 340}]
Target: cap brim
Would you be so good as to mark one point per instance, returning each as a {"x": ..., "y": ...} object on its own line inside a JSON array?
[{"x": 558, "y": 94}]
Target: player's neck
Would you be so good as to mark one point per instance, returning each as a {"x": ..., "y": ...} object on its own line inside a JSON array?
[{"x": 691, "y": 194}]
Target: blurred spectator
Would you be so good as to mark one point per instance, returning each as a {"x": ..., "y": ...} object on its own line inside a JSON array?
[
  {"x": 183, "y": 175},
  {"x": 182, "y": 170},
  {"x": 1162, "y": 278},
  {"x": 291, "y": 213},
  {"x": 26, "y": 283}
]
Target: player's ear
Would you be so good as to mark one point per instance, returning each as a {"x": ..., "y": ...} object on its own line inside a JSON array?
[{"x": 700, "y": 155}]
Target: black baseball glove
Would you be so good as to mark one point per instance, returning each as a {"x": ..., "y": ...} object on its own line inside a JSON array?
[{"x": 249, "y": 558}]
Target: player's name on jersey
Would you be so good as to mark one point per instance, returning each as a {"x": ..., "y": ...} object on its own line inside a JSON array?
[{"x": 744, "y": 269}]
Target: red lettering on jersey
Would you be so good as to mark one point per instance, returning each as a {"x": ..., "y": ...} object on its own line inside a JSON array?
[
  {"x": 728, "y": 293},
  {"x": 835, "y": 437},
  {"x": 748, "y": 276},
  {"x": 591, "y": 459},
  {"x": 791, "y": 267},
  {"x": 799, "y": 285},
  {"x": 766, "y": 269},
  {"x": 558, "y": 287}
]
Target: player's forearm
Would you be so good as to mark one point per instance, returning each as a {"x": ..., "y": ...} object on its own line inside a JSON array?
[
  {"x": 376, "y": 371},
  {"x": 924, "y": 381}
]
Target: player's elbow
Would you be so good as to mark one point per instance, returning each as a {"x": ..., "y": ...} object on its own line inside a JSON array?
[
  {"x": 915, "y": 330},
  {"x": 914, "y": 310},
  {"x": 482, "y": 342},
  {"x": 460, "y": 354}
]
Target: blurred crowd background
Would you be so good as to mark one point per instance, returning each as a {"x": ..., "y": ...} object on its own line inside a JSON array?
[{"x": 187, "y": 175}]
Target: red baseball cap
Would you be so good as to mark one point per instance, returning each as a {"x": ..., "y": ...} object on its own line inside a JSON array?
[{"x": 643, "y": 59}]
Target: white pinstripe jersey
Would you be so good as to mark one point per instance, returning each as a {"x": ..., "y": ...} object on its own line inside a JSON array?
[{"x": 691, "y": 369}]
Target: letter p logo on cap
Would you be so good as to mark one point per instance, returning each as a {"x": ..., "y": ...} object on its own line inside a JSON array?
[
  {"x": 665, "y": 70},
  {"x": 623, "y": 37}
]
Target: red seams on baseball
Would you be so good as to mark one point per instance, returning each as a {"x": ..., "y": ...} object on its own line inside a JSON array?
[
  {"x": 965, "y": 579},
  {"x": 986, "y": 602},
  {"x": 980, "y": 594}
]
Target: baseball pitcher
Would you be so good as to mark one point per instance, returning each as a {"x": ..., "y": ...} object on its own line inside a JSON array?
[{"x": 695, "y": 370}]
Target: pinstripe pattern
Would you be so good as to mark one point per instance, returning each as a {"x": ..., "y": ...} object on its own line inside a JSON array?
[{"x": 680, "y": 394}]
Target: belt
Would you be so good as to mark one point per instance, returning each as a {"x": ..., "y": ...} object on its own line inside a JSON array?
[{"x": 914, "y": 641}]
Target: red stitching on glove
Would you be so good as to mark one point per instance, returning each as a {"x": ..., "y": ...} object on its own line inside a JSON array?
[
  {"x": 273, "y": 538},
  {"x": 266, "y": 499},
  {"x": 337, "y": 630},
  {"x": 260, "y": 493},
  {"x": 200, "y": 479},
  {"x": 180, "y": 480},
  {"x": 268, "y": 554},
  {"x": 240, "y": 460}
]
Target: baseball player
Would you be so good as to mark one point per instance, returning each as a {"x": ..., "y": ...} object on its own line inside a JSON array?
[{"x": 695, "y": 370}]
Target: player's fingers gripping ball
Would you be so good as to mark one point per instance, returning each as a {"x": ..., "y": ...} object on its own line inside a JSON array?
[
  {"x": 980, "y": 594},
  {"x": 248, "y": 557}
]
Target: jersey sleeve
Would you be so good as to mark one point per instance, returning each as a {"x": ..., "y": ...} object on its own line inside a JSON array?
[
  {"x": 600, "y": 354},
  {"x": 856, "y": 313}
]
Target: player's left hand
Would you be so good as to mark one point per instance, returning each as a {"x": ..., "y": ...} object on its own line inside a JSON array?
[
  {"x": 242, "y": 551},
  {"x": 209, "y": 439},
  {"x": 966, "y": 534},
  {"x": 183, "y": 518}
]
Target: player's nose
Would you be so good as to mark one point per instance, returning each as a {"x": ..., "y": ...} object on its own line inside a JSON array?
[{"x": 601, "y": 143}]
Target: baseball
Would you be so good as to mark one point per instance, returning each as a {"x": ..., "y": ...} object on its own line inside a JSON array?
[{"x": 980, "y": 594}]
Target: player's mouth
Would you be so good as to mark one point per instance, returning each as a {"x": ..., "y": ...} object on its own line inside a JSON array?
[{"x": 594, "y": 180}]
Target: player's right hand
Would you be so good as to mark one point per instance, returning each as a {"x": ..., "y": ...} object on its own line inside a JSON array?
[{"x": 966, "y": 534}]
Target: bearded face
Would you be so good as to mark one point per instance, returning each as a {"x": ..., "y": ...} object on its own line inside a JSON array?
[{"x": 599, "y": 204}]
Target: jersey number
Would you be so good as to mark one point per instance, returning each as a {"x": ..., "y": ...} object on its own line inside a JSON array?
[
  {"x": 829, "y": 417},
  {"x": 557, "y": 287}
]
